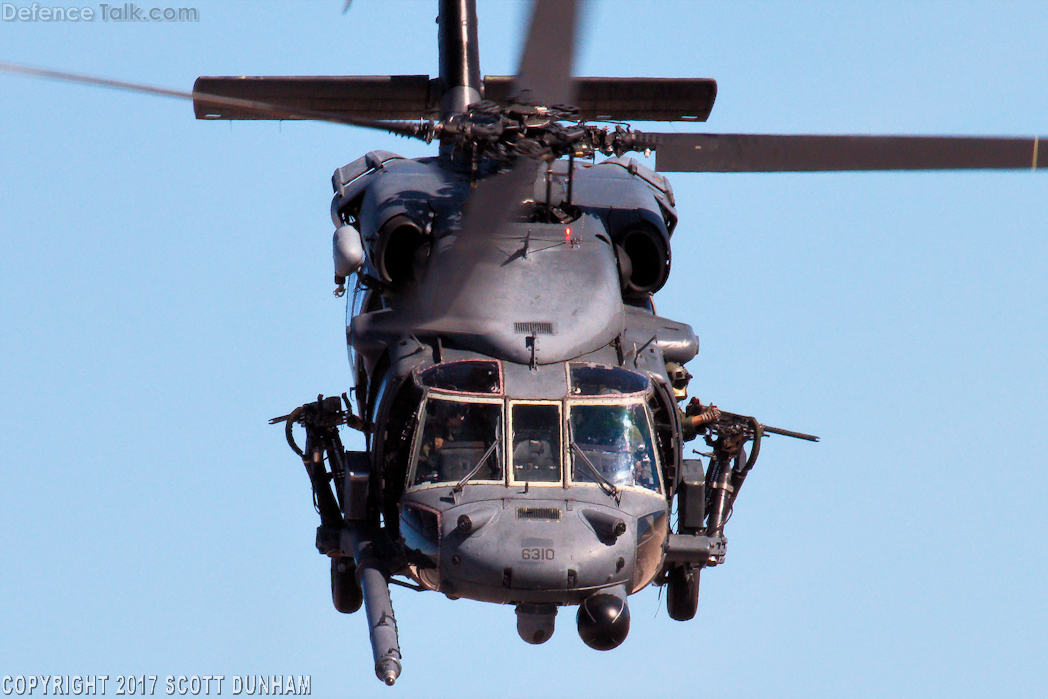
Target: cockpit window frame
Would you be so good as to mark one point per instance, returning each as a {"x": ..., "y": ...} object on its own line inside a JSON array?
[
  {"x": 416, "y": 438},
  {"x": 568, "y": 366},
  {"x": 508, "y": 468},
  {"x": 417, "y": 375},
  {"x": 630, "y": 399},
  {"x": 504, "y": 451}
]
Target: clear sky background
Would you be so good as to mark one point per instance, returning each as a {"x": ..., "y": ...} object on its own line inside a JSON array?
[{"x": 165, "y": 288}]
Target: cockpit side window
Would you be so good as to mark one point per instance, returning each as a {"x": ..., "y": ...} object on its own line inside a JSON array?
[
  {"x": 455, "y": 437},
  {"x": 536, "y": 446},
  {"x": 601, "y": 380},
  {"x": 471, "y": 376},
  {"x": 616, "y": 441}
]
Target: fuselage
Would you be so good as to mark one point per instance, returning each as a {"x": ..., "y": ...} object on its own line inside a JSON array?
[{"x": 526, "y": 438}]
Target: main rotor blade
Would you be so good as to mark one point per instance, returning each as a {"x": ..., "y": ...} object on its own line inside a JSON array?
[
  {"x": 382, "y": 98},
  {"x": 627, "y": 99},
  {"x": 770, "y": 153},
  {"x": 443, "y": 301},
  {"x": 496, "y": 201},
  {"x": 544, "y": 76},
  {"x": 263, "y": 109}
]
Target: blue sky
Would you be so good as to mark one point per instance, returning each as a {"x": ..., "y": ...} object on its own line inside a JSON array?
[{"x": 165, "y": 288}]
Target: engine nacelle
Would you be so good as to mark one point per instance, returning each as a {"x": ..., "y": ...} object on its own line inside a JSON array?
[
  {"x": 640, "y": 223},
  {"x": 393, "y": 214},
  {"x": 398, "y": 249},
  {"x": 647, "y": 249}
]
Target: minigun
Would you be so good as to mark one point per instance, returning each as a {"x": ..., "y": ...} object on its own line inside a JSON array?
[{"x": 727, "y": 434}]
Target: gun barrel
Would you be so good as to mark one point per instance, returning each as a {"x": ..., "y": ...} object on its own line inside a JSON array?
[
  {"x": 385, "y": 645},
  {"x": 790, "y": 433},
  {"x": 382, "y": 625},
  {"x": 771, "y": 430}
]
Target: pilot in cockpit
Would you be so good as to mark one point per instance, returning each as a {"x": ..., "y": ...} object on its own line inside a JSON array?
[{"x": 454, "y": 438}]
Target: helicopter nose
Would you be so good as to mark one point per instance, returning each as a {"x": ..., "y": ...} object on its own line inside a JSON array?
[{"x": 604, "y": 619}]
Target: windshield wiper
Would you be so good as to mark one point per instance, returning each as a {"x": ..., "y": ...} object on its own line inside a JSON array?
[
  {"x": 487, "y": 455},
  {"x": 607, "y": 486}
]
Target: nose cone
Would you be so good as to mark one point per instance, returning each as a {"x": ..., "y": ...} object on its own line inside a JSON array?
[
  {"x": 604, "y": 619},
  {"x": 534, "y": 550}
]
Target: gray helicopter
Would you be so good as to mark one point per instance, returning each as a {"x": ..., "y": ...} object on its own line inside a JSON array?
[
  {"x": 520, "y": 396},
  {"x": 523, "y": 405}
]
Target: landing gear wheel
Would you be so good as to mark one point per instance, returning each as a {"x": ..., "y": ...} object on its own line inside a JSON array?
[
  {"x": 346, "y": 594},
  {"x": 682, "y": 592}
]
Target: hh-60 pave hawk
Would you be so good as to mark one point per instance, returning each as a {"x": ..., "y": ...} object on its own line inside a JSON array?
[{"x": 519, "y": 396}]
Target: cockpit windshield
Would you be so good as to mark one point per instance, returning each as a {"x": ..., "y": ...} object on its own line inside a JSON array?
[
  {"x": 616, "y": 440},
  {"x": 536, "y": 443},
  {"x": 469, "y": 431},
  {"x": 456, "y": 437}
]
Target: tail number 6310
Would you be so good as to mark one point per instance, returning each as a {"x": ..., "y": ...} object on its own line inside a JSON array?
[{"x": 538, "y": 554}]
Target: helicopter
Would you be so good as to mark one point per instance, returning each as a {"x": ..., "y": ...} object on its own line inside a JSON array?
[
  {"x": 498, "y": 364},
  {"x": 524, "y": 444}
]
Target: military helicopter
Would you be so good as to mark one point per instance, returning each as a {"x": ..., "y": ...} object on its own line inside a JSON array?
[{"x": 524, "y": 445}]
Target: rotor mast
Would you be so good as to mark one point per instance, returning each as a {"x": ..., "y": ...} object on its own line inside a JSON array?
[{"x": 459, "y": 56}]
